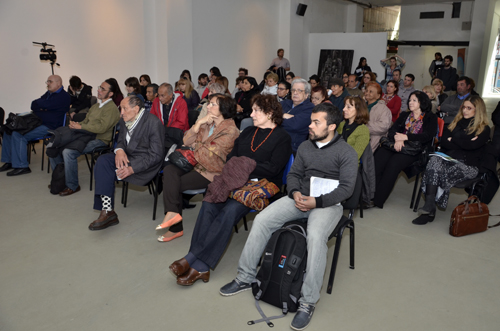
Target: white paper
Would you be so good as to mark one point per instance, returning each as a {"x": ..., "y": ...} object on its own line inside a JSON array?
[{"x": 320, "y": 186}]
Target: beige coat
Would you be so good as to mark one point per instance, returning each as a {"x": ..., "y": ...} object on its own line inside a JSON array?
[{"x": 379, "y": 123}]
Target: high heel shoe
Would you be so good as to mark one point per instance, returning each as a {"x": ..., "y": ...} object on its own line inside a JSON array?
[
  {"x": 174, "y": 220},
  {"x": 191, "y": 276},
  {"x": 179, "y": 267}
]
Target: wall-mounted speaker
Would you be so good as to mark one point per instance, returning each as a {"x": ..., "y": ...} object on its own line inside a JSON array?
[{"x": 301, "y": 9}]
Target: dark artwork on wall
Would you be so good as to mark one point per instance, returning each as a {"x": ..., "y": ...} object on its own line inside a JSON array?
[{"x": 333, "y": 64}]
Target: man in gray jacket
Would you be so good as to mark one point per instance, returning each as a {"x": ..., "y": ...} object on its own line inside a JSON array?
[{"x": 325, "y": 155}]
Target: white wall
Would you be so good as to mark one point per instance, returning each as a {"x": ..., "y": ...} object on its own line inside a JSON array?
[
  {"x": 370, "y": 45},
  {"x": 447, "y": 28}
]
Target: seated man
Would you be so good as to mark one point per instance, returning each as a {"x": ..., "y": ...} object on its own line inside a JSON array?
[
  {"x": 338, "y": 93},
  {"x": 81, "y": 95},
  {"x": 101, "y": 119},
  {"x": 138, "y": 157},
  {"x": 450, "y": 107},
  {"x": 151, "y": 95},
  {"x": 51, "y": 108},
  {"x": 171, "y": 108},
  {"x": 352, "y": 86},
  {"x": 325, "y": 155},
  {"x": 297, "y": 112}
]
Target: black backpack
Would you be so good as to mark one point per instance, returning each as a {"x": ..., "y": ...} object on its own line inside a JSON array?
[
  {"x": 58, "y": 182},
  {"x": 282, "y": 271}
]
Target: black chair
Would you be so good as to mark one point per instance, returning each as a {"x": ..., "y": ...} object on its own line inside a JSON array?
[
  {"x": 96, "y": 152},
  {"x": 152, "y": 187},
  {"x": 2, "y": 118}
]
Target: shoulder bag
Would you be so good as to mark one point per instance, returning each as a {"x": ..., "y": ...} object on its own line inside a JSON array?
[
  {"x": 255, "y": 195},
  {"x": 470, "y": 216}
]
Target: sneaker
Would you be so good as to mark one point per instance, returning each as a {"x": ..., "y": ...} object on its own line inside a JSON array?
[
  {"x": 302, "y": 317},
  {"x": 234, "y": 287}
]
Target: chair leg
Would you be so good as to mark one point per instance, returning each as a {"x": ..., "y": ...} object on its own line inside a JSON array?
[
  {"x": 125, "y": 194},
  {"x": 245, "y": 223},
  {"x": 236, "y": 228},
  {"x": 92, "y": 162},
  {"x": 414, "y": 190},
  {"x": 351, "y": 233},
  {"x": 155, "y": 203},
  {"x": 417, "y": 200},
  {"x": 43, "y": 151},
  {"x": 334, "y": 261}
]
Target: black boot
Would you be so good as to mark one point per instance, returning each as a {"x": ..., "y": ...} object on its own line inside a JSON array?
[
  {"x": 429, "y": 207},
  {"x": 423, "y": 219}
]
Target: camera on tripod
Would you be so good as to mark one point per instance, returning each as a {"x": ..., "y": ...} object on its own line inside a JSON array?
[{"x": 48, "y": 54}]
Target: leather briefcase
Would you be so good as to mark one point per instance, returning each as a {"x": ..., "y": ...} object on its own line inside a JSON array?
[{"x": 470, "y": 216}]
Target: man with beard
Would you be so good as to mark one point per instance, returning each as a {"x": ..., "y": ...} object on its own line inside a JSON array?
[
  {"x": 324, "y": 155},
  {"x": 448, "y": 75}
]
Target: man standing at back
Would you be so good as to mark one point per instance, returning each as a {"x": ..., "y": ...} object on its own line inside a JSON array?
[
  {"x": 51, "y": 108},
  {"x": 448, "y": 75},
  {"x": 324, "y": 155},
  {"x": 405, "y": 91}
]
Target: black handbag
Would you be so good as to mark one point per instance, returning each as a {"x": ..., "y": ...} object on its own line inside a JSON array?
[
  {"x": 410, "y": 147},
  {"x": 183, "y": 158},
  {"x": 22, "y": 124}
]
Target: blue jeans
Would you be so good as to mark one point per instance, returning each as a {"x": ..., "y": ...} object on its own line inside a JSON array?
[
  {"x": 69, "y": 157},
  {"x": 15, "y": 146},
  {"x": 320, "y": 224}
]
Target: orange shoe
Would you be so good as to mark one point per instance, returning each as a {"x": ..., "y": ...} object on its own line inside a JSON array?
[
  {"x": 167, "y": 239},
  {"x": 174, "y": 220}
]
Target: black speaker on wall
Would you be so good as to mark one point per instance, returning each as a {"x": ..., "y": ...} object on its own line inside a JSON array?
[{"x": 301, "y": 9}]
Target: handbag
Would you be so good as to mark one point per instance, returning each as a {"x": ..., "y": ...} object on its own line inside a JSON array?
[
  {"x": 184, "y": 159},
  {"x": 470, "y": 216},
  {"x": 21, "y": 123},
  {"x": 410, "y": 147},
  {"x": 255, "y": 195}
]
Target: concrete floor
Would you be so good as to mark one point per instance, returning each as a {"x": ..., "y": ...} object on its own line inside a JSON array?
[{"x": 55, "y": 274}]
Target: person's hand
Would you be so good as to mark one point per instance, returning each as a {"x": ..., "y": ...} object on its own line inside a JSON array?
[
  {"x": 472, "y": 138},
  {"x": 124, "y": 172},
  {"x": 121, "y": 159},
  {"x": 287, "y": 116},
  {"x": 71, "y": 115},
  {"x": 209, "y": 119},
  {"x": 400, "y": 137},
  {"x": 75, "y": 125},
  {"x": 304, "y": 203},
  {"x": 239, "y": 109},
  {"x": 399, "y": 145}
]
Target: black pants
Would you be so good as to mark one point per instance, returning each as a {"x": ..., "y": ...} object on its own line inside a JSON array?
[{"x": 388, "y": 165}]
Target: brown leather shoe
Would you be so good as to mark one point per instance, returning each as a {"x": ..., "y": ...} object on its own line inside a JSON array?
[
  {"x": 106, "y": 219},
  {"x": 191, "y": 276},
  {"x": 179, "y": 267},
  {"x": 67, "y": 191}
]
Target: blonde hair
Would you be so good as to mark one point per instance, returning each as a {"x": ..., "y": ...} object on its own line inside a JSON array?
[
  {"x": 430, "y": 89},
  {"x": 273, "y": 76},
  {"x": 189, "y": 87},
  {"x": 480, "y": 121},
  {"x": 438, "y": 81}
]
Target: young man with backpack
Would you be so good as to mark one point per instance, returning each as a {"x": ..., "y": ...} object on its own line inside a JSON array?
[{"x": 324, "y": 155}]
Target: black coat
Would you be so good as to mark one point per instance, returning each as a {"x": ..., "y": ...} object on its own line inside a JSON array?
[{"x": 81, "y": 101}]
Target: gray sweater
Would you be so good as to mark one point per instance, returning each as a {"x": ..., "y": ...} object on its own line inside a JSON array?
[
  {"x": 337, "y": 160},
  {"x": 450, "y": 107}
]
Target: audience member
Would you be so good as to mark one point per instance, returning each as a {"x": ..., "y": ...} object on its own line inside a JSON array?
[
  {"x": 284, "y": 91},
  {"x": 242, "y": 72},
  {"x": 345, "y": 78},
  {"x": 151, "y": 95},
  {"x": 319, "y": 94},
  {"x": 144, "y": 80},
  {"x": 289, "y": 77},
  {"x": 297, "y": 112},
  {"x": 211, "y": 139},
  {"x": 326, "y": 155},
  {"x": 280, "y": 62},
  {"x": 118, "y": 97},
  {"x": 451, "y": 106},
  {"x": 448, "y": 75},
  {"x": 249, "y": 88},
  {"x": 380, "y": 116},
  {"x": 271, "y": 86},
  {"x": 314, "y": 80},
  {"x": 392, "y": 99},
  {"x": 50, "y": 108},
  {"x": 186, "y": 74},
  {"x": 439, "y": 89},
  {"x": 464, "y": 140},
  {"x": 224, "y": 82},
  {"x": 213, "y": 89},
  {"x": 133, "y": 88},
  {"x": 100, "y": 120},
  {"x": 353, "y": 129},
  {"x": 237, "y": 88},
  {"x": 436, "y": 64},
  {"x": 405, "y": 91},
  {"x": 367, "y": 78},
  {"x": 170, "y": 108},
  {"x": 412, "y": 132},
  {"x": 392, "y": 65},
  {"x": 81, "y": 95},
  {"x": 362, "y": 68},
  {"x": 261, "y": 151},
  {"x": 138, "y": 157},
  {"x": 352, "y": 88},
  {"x": 189, "y": 94},
  {"x": 429, "y": 90},
  {"x": 339, "y": 93},
  {"x": 202, "y": 84}
]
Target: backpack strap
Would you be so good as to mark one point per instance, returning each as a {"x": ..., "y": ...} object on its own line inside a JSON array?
[{"x": 264, "y": 317}]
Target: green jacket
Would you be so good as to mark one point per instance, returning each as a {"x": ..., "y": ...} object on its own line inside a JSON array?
[
  {"x": 101, "y": 121},
  {"x": 359, "y": 139}
]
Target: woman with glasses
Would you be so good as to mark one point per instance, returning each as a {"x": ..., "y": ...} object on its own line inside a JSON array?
[
  {"x": 283, "y": 91},
  {"x": 464, "y": 140},
  {"x": 319, "y": 95}
]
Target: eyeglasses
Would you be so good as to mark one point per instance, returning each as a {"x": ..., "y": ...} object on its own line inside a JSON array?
[
  {"x": 294, "y": 90},
  {"x": 281, "y": 89},
  {"x": 102, "y": 89},
  {"x": 49, "y": 82}
]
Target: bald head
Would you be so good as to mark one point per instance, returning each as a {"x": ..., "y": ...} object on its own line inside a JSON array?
[{"x": 54, "y": 83}]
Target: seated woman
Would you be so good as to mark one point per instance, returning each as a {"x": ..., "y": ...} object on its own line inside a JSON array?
[
  {"x": 144, "y": 80},
  {"x": 418, "y": 124},
  {"x": 431, "y": 93},
  {"x": 133, "y": 88},
  {"x": 354, "y": 129},
  {"x": 368, "y": 77},
  {"x": 190, "y": 95},
  {"x": 283, "y": 91},
  {"x": 380, "y": 115},
  {"x": 392, "y": 99},
  {"x": 249, "y": 88},
  {"x": 439, "y": 89},
  {"x": 289, "y": 77},
  {"x": 211, "y": 138},
  {"x": 464, "y": 140},
  {"x": 319, "y": 95},
  {"x": 270, "y": 147}
]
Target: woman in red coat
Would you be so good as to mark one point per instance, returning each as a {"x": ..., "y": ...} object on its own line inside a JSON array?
[{"x": 392, "y": 100}]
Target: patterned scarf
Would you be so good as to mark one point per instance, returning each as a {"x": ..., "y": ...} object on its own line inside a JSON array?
[{"x": 414, "y": 125}]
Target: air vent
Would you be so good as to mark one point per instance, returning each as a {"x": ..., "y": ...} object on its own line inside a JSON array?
[
  {"x": 431, "y": 14},
  {"x": 466, "y": 26}
]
